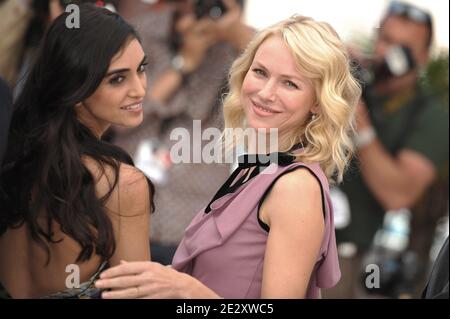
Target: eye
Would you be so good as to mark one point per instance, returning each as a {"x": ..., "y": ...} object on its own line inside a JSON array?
[
  {"x": 117, "y": 80},
  {"x": 291, "y": 84},
  {"x": 259, "y": 72},
  {"x": 142, "y": 67}
]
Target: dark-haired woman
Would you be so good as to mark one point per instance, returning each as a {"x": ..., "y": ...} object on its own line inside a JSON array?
[{"x": 70, "y": 204}]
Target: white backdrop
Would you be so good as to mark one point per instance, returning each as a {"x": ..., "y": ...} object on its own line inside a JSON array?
[{"x": 348, "y": 17}]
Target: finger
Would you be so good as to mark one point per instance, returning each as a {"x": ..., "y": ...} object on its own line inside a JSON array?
[
  {"x": 204, "y": 25},
  {"x": 154, "y": 292},
  {"x": 185, "y": 23},
  {"x": 129, "y": 293},
  {"x": 119, "y": 282},
  {"x": 129, "y": 268},
  {"x": 230, "y": 4}
]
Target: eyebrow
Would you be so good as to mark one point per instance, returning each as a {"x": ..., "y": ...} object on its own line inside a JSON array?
[
  {"x": 283, "y": 75},
  {"x": 125, "y": 69}
]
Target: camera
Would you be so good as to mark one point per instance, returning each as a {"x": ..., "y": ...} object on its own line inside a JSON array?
[
  {"x": 209, "y": 8},
  {"x": 213, "y": 9},
  {"x": 398, "y": 272},
  {"x": 397, "y": 62}
]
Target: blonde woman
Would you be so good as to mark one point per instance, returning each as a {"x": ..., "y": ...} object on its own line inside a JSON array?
[{"x": 268, "y": 235}]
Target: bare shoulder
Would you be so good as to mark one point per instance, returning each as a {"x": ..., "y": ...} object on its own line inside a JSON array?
[
  {"x": 130, "y": 194},
  {"x": 133, "y": 191},
  {"x": 295, "y": 194},
  {"x": 300, "y": 180},
  {"x": 293, "y": 211},
  {"x": 131, "y": 176},
  {"x": 132, "y": 182}
]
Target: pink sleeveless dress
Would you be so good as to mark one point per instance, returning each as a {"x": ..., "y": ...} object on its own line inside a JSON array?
[{"x": 225, "y": 243}]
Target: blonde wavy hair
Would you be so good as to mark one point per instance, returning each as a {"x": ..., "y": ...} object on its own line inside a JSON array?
[{"x": 322, "y": 58}]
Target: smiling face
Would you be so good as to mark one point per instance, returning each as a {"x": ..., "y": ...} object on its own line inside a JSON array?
[
  {"x": 274, "y": 94},
  {"x": 118, "y": 99}
]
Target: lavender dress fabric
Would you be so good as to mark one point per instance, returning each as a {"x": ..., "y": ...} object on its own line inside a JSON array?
[{"x": 224, "y": 245}]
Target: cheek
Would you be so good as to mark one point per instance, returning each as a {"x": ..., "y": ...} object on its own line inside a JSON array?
[
  {"x": 244, "y": 89},
  {"x": 144, "y": 81},
  {"x": 249, "y": 86},
  {"x": 291, "y": 102},
  {"x": 297, "y": 106},
  {"x": 113, "y": 95},
  {"x": 105, "y": 100}
]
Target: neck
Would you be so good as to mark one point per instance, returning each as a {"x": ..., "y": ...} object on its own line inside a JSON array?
[
  {"x": 261, "y": 141},
  {"x": 96, "y": 126}
]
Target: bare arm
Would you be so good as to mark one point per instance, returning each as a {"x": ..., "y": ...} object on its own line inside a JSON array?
[
  {"x": 128, "y": 208},
  {"x": 166, "y": 85},
  {"x": 397, "y": 182},
  {"x": 129, "y": 211},
  {"x": 196, "y": 41},
  {"x": 231, "y": 29},
  {"x": 202, "y": 35},
  {"x": 293, "y": 210}
]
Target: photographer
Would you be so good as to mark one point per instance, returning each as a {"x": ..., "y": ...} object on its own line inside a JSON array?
[
  {"x": 402, "y": 138},
  {"x": 191, "y": 45}
]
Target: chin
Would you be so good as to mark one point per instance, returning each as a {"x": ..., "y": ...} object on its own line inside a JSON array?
[
  {"x": 135, "y": 122},
  {"x": 258, "y": 124},
  {"x": 131, "y": 124}
]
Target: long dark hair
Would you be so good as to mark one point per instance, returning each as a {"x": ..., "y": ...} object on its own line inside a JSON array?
[{"x": 43, "y": 169}]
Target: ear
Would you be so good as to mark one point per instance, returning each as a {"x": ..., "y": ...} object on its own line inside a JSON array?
[{"x": 315, "y": 109}]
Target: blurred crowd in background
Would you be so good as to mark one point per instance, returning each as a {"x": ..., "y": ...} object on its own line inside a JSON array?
[{"x": 392, "y": 208}]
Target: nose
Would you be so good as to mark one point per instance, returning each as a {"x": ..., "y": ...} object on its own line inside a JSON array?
[
  {"x": 268, "y": 91},
  {"x": 139, "y": 86}
]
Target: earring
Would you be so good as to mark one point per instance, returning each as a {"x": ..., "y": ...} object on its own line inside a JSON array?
[{"x": 314, "y": 116}]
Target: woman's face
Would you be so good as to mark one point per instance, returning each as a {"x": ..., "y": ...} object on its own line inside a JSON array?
[
  {"x": 118, "y": 99},
  {"x": 274, "y": 94}
]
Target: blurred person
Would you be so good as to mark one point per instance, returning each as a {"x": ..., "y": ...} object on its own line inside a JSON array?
[
  {"x": 269, "y": 231},
  {"x": 402, "y": 142},
  {"x": 24, "y": 25},
  {"x": 437, "y": 286},
  {"x": 66, "y": 197},
  {"x": 43, "y": 13},
  {"x": 189, "y": 58},
  {"x": 5, "y": 118},
  {"x": 133, "y": 8},
  {"x": 5, "y": 115},
  {"x": 14, "y": 20}
]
